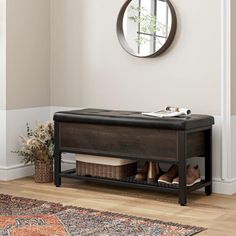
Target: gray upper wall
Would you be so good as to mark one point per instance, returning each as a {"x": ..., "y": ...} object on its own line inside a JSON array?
[
  {"x": 28, "y": 53},
  {"x": 90, "y": 69}
]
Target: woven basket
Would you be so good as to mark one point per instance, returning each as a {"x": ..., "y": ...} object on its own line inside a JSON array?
[
  {"x": 43, "y": 172},
  {"x": 106, "y": 171}
]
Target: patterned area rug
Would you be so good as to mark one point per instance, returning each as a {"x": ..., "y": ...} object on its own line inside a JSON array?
[{"x": 24, "y": 217}]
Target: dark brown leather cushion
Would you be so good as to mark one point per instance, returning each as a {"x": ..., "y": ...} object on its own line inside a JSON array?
[{"x": 131, "y": 118}]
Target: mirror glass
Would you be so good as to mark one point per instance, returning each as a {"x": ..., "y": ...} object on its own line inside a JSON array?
[{"x": 146, "y": 26}]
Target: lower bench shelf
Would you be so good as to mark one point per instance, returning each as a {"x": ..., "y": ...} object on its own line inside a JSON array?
[{"x": 131, "y": 182}]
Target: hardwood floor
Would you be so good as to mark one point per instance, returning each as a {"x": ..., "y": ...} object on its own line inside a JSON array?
[{"x": 216, "y": 212}]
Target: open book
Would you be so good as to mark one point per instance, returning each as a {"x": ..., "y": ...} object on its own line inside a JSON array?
[{"x": 169, "y": 112}]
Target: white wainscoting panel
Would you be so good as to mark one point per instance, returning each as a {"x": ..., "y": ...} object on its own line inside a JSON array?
[
  {"x": 12, "y": 167},
  {"x": 2, "y": 137}
]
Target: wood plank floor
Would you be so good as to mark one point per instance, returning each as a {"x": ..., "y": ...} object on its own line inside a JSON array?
[{"x": 216, "y": 212}]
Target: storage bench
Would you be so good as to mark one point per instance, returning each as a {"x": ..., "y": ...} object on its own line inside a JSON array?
[{"x": 131, "y": 135}]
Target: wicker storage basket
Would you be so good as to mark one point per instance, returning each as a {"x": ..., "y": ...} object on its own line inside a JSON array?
[
  {"x": 43, "y": 172},
  {"x": 106, "y": 171}
]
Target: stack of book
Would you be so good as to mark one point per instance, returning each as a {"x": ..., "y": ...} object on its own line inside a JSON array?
[{"x": 169, "y": 112}]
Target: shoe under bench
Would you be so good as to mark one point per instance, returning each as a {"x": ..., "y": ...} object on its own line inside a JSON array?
[{"x": 131, "y": 135}]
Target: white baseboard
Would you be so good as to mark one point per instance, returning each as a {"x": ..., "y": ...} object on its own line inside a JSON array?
[
  {"x": 223, "y": 187},
  {"x": 16, "y": 172}
]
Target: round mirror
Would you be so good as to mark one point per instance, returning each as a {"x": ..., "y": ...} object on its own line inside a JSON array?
[{"x": 146, "y": 28}]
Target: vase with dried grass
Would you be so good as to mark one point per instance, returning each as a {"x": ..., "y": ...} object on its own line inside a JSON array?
[{"x": 37, "y": 148}]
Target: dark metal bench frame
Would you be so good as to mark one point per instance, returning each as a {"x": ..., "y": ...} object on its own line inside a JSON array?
[{"x": 189, "y": 143}]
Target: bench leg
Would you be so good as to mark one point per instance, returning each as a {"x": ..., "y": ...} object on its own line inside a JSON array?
[
  {"x": 57, "y": 169},
  {"x": 182, "y": 155},
  {"x": 208, "y": 190},
  {"x": 208, "y": 161},
  {"x": 182, "y": 183},
  {"x": 57, "y": 156},
  {"x": 182, "y": 199}
]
